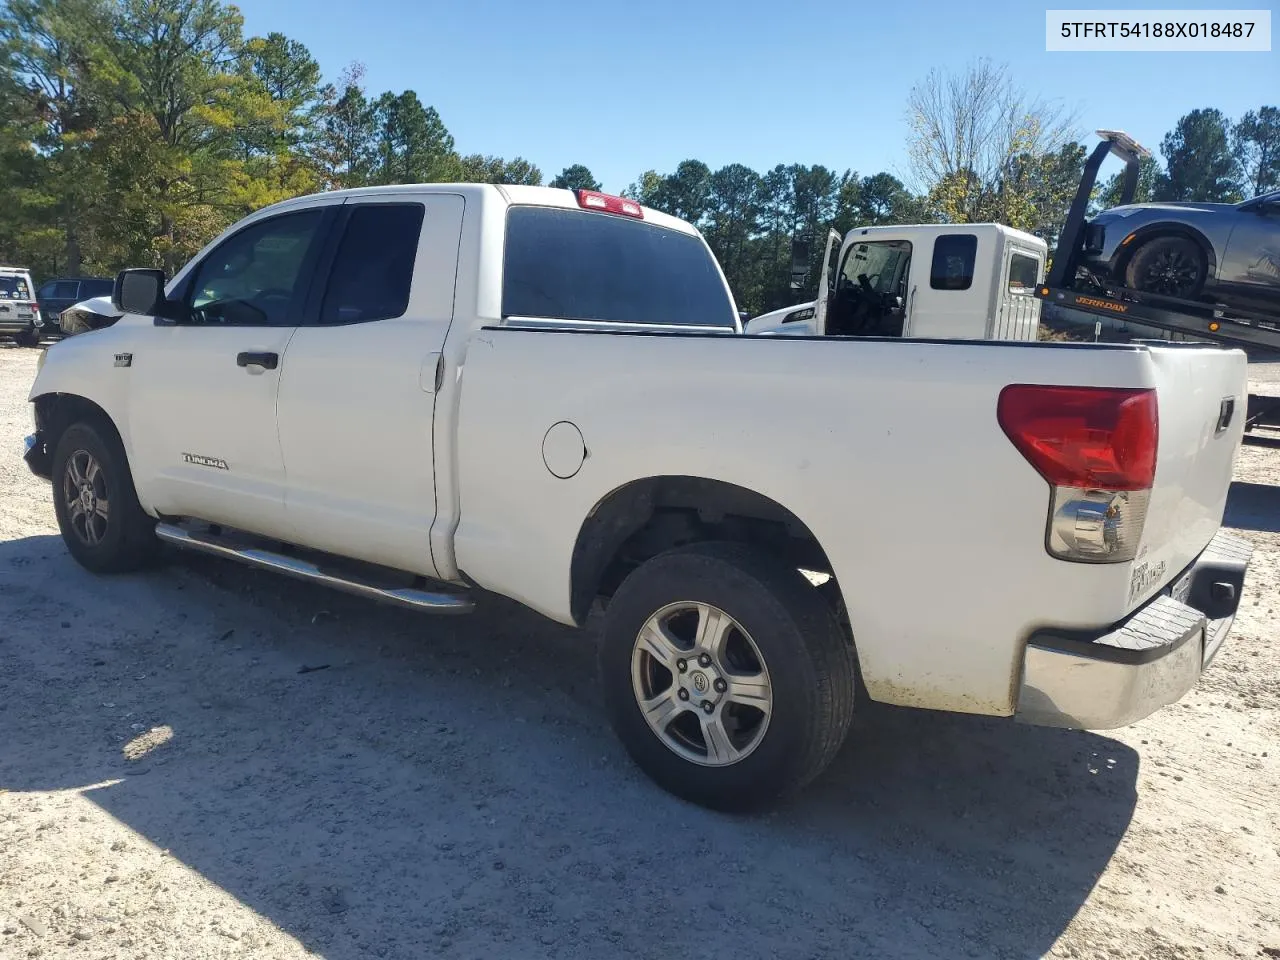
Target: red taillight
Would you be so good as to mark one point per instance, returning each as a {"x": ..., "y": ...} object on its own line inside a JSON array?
[
  {"x": 594, "y": 200},
  {"x": 1100, "y": 437}
]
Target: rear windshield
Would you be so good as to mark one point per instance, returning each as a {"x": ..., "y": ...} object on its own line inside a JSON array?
[
  {"x": 576, "y": 265},
  {"x": 14, "y": 288}
]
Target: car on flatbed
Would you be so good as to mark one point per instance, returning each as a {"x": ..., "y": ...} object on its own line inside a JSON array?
[
  {"x": 1226, "y": 253},
  {"x": 422, "y": 393}
]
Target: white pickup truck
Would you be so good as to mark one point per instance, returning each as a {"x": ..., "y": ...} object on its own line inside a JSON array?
[{"x": 417, "y": 393}]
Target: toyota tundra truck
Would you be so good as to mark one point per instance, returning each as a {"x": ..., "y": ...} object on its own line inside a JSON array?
[{"x": 421, "y": 394}]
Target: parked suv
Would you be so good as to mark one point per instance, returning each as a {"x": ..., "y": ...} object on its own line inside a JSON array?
[
  {"x": 59, "y": 294},
  {"x": 19, "y": 313}
]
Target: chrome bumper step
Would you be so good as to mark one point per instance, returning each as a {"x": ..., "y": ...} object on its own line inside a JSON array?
[{"x": 431, "y": 602}]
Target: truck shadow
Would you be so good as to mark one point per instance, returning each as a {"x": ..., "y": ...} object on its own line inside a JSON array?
[
  {"x": 1253, "y": 506},
  {"x": 451, "y": 787}
]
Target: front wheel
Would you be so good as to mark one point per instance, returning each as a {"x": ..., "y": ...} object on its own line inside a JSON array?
[
  {"x": 102, "y": 523},
  {"x": 726, "y": 677},
  {"x": 1169, "y": 266}
]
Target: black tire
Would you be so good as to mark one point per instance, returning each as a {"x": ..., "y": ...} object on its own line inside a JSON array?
[
  {"x": 125, "y": 538},
  {"x": 1171, "y": 266},
  {"x": 809, "y": 661},
  {"x": 26, "y": 339}
]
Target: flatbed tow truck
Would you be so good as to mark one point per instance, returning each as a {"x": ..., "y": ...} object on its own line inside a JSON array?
[{"x": 1067, "y": 286}]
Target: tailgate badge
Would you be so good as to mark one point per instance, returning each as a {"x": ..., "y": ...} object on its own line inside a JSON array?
[{"x": 1225, "y": 411}]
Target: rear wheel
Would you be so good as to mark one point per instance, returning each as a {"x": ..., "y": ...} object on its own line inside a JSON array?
[
  {"x": 102, "y": 523},
  {"x": 1169, "y": 266},
  {"x": 26, "y": 339},
  {"x": 726, "y": 676}
]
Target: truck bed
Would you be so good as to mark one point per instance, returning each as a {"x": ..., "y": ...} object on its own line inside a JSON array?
[{"x": 934, "y": 524}]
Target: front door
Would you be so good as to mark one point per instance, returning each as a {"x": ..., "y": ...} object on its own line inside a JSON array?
[
  {"x": 358, "y": 386},
  {"x": 203, "y": 435},
  {"x": 826, "y": 283}
]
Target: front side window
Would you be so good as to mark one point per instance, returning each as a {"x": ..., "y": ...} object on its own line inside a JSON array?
[
  {"x": 373, "y": 270},
  {"x": 876, "y": 266},
  {"x": 567, "y": 264},
  {"x": 255, "y": 277},
  {"x": 953, "y": 257},
  {"x": 1024, "y": 272}
]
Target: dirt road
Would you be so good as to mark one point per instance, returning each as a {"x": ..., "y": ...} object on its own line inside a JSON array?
[{"x": 173, "y": 784}]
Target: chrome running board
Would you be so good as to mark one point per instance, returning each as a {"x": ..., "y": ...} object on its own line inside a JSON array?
[{"x": 305, "y": 570}]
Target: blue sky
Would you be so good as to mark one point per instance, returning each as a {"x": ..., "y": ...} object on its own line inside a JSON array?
[{"x": 629, "y": 87}]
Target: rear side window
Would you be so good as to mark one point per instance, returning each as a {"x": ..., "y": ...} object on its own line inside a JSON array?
[
  {"x": 1023, "y": 271},
  {"x": 574, "y": 265},
  {"x": 95, "y": 288},
  {"x": 373, "y": 270},
  {"x": 65, "y": 290},
  {"x": 953, "y": 258}
]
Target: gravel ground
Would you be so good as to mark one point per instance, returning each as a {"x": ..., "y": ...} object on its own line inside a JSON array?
[{"x": 173, "y": 784}]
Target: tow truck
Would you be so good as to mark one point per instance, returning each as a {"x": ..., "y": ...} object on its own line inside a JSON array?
[{"x": 1069, "y": 286}]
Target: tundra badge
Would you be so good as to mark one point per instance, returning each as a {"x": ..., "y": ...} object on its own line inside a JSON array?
[{"x": 198, "y": 460}]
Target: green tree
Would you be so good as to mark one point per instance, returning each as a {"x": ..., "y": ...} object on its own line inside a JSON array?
[
  {"x": 283, "y": 74},
  {"x": 733, "y": 220},
  {"x": 576, "y": 177},
  {"x": 1256, "y": 142},
  {"x": 413, "y": 144},
  {"x": 1199, "y": 164},
  {"x": 1148, "y": 177},
  {"x": 687, "y": 192},
  {"x": 171, "y": 70},
  {"x": 50, "y": 119},
  {"x": 477, "y": 168},
  {"x": 345, "y": 145}
]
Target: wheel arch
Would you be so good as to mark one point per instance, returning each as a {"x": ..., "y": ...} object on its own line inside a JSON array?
[
  {"x": 1152, "y": 231},
  {"x": 646, "y": 517},
  {"x": 55, "y": 412}
]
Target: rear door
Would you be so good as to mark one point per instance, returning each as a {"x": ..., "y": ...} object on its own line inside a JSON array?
[{"x": 358, "y": 382}]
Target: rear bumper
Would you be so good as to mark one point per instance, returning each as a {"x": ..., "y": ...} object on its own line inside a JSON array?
[
  {"x": 1114, "y": 677},
  {"x": 10, "y": 327}
]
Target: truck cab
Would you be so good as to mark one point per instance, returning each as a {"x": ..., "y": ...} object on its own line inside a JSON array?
[{"x": 972, "y": 281}]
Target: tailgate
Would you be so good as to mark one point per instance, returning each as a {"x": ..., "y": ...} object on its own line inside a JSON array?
[{"x": 1202, "y": 395}]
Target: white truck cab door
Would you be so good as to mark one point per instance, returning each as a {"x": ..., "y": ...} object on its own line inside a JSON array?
[
  {"x": 826, "y": 282},
  {"x": 202, "y": 422},
  {"x": 358, "y": 389}
]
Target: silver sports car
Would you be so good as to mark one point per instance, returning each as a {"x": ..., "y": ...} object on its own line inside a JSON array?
[{"x": 1223, "y": 252}]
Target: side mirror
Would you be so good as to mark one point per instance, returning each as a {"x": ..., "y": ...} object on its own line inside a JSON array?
[{"x": 141, "y": 291}]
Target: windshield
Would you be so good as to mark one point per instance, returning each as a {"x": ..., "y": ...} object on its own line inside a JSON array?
[
  {"x": 14, "y": 288},
  {"x": 574, "y": 265}
]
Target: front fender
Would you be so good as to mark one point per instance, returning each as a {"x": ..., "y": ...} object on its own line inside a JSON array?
[{"x": 88, "y": 366}]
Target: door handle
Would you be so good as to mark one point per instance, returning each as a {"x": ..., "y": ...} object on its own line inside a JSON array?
[{"x": 268, "y": 361}]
